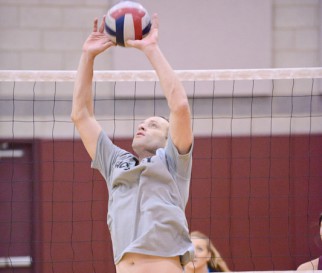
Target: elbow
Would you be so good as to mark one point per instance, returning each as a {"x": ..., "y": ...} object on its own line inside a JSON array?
[
  {"x": 74, "y": 116},
  {"x": 77, "y": 116},
  {"x": 182, "y": 107},
  {"x": 177, "y": 99}
]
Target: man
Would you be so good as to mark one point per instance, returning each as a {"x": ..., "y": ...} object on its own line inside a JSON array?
[{"x": 148, "y": 192}]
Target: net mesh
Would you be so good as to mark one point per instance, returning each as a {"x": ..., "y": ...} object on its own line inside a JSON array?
[{"x": 256, "y": 179}]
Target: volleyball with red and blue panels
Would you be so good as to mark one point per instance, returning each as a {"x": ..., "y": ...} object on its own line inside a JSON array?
[{"x": 127, "y": 20}]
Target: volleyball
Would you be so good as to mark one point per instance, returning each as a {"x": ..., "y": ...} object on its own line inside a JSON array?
[{"x": 127, "y": 20}]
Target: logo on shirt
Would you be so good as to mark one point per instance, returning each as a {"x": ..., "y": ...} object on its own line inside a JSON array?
[
  {"x": 123, "y": 165},
  {"x": 126, "y": 164}
]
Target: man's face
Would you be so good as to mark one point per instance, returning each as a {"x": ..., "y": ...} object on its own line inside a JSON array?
[{"x": 151, "y": 134}]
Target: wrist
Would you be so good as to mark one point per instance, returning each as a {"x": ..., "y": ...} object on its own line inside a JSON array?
[
  {"x": 88, "y": 56},
  {"x": 150, "y": 50}
]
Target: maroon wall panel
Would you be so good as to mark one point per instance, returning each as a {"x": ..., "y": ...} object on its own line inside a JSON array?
[
  {"x": 258, "y": 198},
  {"x": 17, "y": 226},
  {"x": 73, "y": 215}
]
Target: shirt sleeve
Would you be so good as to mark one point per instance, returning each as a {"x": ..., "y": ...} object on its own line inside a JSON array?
[
  {"x": 105, "y": 155},
  {"x": 180, "y": 167}
]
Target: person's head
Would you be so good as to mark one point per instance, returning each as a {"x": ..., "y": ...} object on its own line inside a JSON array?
[
  {"x": 206, "y": 255},
  {"x": 151, "y": 135}
]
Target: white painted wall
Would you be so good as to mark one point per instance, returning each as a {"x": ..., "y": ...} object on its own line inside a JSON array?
[
  {"x": 297, "y": 33},
  {"x": 209, "y": 34},
  {"x": 206, "y": 34}
]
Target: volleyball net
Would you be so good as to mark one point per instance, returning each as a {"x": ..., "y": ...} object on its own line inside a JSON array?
[{"x": 256, "y": 180}]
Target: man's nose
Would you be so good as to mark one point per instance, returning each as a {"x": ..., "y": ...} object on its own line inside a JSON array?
[{"x": 142, "y": 127}]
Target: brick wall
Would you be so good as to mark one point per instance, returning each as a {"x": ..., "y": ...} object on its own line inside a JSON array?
[
  {"x": 297, "y": 33},
  {"x": 47, "y": 34}
]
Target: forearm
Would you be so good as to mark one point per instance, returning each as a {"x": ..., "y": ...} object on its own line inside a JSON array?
[
  {"x": 180, "y": 116},
  {"x": 82, "y": 96},
  {"x": 170, "y": 84}
]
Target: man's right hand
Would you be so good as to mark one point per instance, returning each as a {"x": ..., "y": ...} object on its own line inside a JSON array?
[{"x": 98, "y": 41}]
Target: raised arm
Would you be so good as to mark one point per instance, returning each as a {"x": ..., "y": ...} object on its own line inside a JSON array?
[
  {"x": 82, "y": 109},
  {"x": 180, "y": 117}
]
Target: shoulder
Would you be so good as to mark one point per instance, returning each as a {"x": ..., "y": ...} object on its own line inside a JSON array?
[
  {"x": 104, "y": 142},
  {"x": 171, "y": 149},
  {"x": 310, "y": 265}
]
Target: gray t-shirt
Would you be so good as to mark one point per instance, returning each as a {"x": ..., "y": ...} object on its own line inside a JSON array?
[{"x": 147, "y": 200}]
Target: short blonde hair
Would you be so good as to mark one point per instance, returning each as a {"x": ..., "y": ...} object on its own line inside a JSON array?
[{"x": 216, "y": 262}]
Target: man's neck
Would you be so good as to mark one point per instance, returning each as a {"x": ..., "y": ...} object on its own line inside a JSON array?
[{"x": 144, "y": 154}]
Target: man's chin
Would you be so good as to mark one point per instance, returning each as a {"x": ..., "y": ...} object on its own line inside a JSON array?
[
  {"x": 138, "y": 145},
  {"x": 137, "y": 142}
]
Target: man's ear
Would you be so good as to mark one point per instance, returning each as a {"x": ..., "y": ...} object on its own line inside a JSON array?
[{"x": 166, "y": 141}]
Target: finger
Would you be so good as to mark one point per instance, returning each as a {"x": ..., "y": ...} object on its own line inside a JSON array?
[
  {"x": 107, "y": 40},
  {"x": 130, "y": 43},
  {"x": 111, "y": 43},
  {"x": 155, "y": 21},
  {"x": 108, "y": 44},
  {"x": 95, "y": 25},
  {"x": 101, "y": 29}
]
